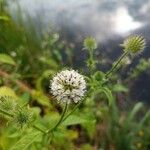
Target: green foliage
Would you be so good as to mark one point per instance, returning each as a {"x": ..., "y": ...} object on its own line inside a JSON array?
[
  {"x": 142, "y": 66},
  {"x": 123, "y": 129},
  {"x": 6, "y": 59},
  {"x": 4, "y": 18},
  {"x": 26, "y": 141}
]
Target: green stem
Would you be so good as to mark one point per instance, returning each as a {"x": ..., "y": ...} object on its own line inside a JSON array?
[
  {"x": 91, "y": 59},
  {"x": 10, "y": 115},
  {"x": 37, "y": 128},
  {"x": 60, "y": 120},
  {"x": 116, "y": 64},
  {"x": 71, "y": 112}
]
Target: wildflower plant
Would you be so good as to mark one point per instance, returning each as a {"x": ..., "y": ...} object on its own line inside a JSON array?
[
  {"x": 71, "y": 89},
  {"x": 134, "y": 44},
  {"x": 90, "y": 45}
]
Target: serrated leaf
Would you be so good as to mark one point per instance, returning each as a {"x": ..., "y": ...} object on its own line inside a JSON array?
[
  {"x": 74, "y": 119},
  {"x": 26, "y": 140},
  {"x": 4, "y": 58},
  {"x": 108, "y": 94}
]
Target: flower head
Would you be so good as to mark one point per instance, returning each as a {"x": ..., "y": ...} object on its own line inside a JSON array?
[
  {"x": 90, "y": 43},
  {"x": 23, "y": 116},
  {"x": 7, "y": 103},
  {"x": 134, "y": 44},
  {"x": 68, "y": 86}
]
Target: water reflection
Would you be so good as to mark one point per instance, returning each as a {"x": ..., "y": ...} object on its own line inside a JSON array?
[
  {"x": 103, "y": 19},
  {"x": 124, "y": 23},
  {"x": 109, "y": 21}
]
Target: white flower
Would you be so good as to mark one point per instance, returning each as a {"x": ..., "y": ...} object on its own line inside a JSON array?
[{"x": 68, "y": 86}]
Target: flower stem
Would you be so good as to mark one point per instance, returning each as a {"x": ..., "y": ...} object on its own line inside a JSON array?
[
  {"x": 37, "y": 128},
  {"x": 10, "y": 115},
  {"x": 60, "y": 120},
  {"x": 73, "y": 110},
  {"x": 116, "y": 64}
]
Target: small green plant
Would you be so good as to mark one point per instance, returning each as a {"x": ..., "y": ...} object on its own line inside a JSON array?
[
  {"x": 90, "y": 45},
  {"x": 40, "y": 127}
]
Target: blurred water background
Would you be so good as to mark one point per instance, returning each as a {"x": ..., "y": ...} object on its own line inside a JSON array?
[{"x": 109, "y": 21}]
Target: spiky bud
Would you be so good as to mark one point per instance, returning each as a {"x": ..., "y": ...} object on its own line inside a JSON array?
[
  {"x": 134, "y": 44},
  {"x": 7, "y": 103},
  {"x": 23, "y": 116},
  {"x": 90, "y": 43}
]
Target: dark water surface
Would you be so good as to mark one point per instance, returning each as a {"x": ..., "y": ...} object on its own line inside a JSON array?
[
  {"x": 104, "y": 19},
  {"x": 109, "y": 21}
]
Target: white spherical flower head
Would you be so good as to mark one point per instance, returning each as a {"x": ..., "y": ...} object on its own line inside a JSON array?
[{"x": 68, "y": 86}]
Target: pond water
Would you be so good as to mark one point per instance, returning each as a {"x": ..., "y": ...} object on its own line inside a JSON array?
[
  {"x": 104, "y": 19},
  {"x": 109, "y": 21}
]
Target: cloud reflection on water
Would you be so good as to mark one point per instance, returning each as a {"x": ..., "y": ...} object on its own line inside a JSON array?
[
  {"x": 103, "y": 19},
  {"x": 107, "y": 20}
]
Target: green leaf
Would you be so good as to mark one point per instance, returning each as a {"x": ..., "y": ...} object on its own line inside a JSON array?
[
  {"x": 98, "y": 76},
  {"x": 4, "y": 18},
  {"x": 132, "y": 114},
  {"x": 41, "y": 98},
  {"x": 26, "y": 140},
  {"x": 14, "y": 135},
  {"x": 134, "y": 111},
  {"x": 144, "y": 119},
  {"x": 25, "y": 97},
  {"x": 120, "y": 88},
  {"x": 45, "y": 74},
  {"x": 49, "y": 62},
  {"x": 108, "y": 94},
  {"x": 4, "y": 58},
  {"x": 74, "y": 119}
]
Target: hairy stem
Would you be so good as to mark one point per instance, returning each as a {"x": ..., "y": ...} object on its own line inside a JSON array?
[
  {"x": 116, "y": 64},
  {"x": 60, "y": 120},
  {"x": 11, "y": 115},
  {"x": 73, "y": 110},
  {"x": 37, "y": 128}
]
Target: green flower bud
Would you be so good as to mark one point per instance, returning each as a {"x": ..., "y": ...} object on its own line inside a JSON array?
[
  {"x": 90, "y": 43},
  {"x": 7, "y": 103},
  {"x": 134, "y": 44},
  {"x": 23, "y": 116}
]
